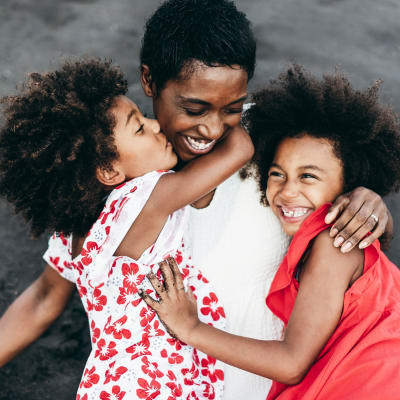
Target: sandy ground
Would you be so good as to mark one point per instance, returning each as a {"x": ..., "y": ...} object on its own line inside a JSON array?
[{"x": 361, "y": 36}]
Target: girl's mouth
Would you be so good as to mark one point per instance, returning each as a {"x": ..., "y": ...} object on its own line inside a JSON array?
[
  {"x": 198, "y": 146},
  {"x": 294, "y": 214}
]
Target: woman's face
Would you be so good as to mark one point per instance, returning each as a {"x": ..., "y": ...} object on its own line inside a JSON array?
[
  {"x": 304, "y": 175},
  {"x": 197, "y": 110}
]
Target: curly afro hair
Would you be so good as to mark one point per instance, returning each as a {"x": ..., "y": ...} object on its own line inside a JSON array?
[
  {"x": 57, "y": 131},
  {"x": 365, "y": 134}
]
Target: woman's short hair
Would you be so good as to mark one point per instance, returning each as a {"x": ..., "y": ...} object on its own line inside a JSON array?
[{"x": 213, "y": 32}]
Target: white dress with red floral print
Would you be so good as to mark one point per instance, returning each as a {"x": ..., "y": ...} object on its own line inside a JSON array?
[{"x": 133, "y": 357}]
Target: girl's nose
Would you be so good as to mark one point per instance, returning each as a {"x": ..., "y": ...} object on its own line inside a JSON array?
[
  {"x": 153, "y": 125},
  {"x": 289, "y": 190}
]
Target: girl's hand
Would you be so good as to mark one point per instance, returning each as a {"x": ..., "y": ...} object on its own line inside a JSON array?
[
  {"x": 358, "y": 213},
  {"x": 176, "y": 309}
]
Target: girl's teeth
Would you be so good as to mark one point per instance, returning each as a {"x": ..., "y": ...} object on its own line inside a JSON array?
[
  {"x": 197, "y": 145},
  {"x": 294, "y": 213}
]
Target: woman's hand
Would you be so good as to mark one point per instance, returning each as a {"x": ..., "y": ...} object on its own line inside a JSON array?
[
  {"x": 358, "y": 213},
  {"x": 176, "y": 309}
]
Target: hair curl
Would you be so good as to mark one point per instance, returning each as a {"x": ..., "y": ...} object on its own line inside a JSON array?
[
  {"x": 213, "y": 32},
  {"x": 58, "y": 130},
  {"x": 365, "y": 134}
]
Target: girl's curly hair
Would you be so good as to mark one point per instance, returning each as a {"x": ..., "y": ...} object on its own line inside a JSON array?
[
  {"x": 365, "y": 134},
  {"x": 57, "y": 131}
]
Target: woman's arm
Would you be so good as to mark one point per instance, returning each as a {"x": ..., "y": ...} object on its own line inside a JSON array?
[
  {"x": 32, "y": 313},
  {"x": 358, "y": 213},
  {"x": 316, "y": 313}
]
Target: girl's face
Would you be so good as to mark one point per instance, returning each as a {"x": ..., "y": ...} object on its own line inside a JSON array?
[
  {"x": 142, "y": 147},
  {"x": 304, "y": 175},
  {"x": 196, "y": 111}
]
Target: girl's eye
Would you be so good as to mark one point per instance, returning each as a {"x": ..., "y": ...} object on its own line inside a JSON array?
[
  {"x": 140, "y": 128},
  {"x": 194, "y": 112},
  {"x": 308, "y": 176},
  {"x": 274, "y": 173}
]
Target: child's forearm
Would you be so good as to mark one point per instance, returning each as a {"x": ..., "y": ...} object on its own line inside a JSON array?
[
  {"x": 31, "y": 314},
  {"x": 203, "y": 174},
  {"x": 269, "y": 358}
]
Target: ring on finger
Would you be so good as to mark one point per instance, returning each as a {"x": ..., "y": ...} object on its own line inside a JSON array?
[{"x": 375, "y": 218}]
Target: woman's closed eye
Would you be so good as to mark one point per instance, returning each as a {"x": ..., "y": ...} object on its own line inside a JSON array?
[
  {"x": 194, "y": 112},
  {"x": 275, "y": 174},
  {"x": 309, "y": 176}
]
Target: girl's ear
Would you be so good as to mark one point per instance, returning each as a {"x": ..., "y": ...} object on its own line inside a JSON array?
[
  {"x": 110, "y": 177},
  {"x": 147, "y": 81}
]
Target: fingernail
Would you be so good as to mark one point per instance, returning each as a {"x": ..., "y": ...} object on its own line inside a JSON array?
[
  {"x": 328, "y": 218},
  {"x": 362, "y": 245},
  {"x": 333, "y": 232},
  {"x": 345, "y": 248},
  {"x": 338, "y": 241}
]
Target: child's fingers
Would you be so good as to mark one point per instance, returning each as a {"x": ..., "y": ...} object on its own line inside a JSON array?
[
  {"x": 169, "y": 279},
  {"x": 190, "y": 293},
  {"x": 177, "y": 274},
  {"x": 157, "y": 285},
  {"x": 154, "y": 304}
]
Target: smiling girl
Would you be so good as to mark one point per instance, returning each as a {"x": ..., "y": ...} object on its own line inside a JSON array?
[{"x": 341, "y": 311}]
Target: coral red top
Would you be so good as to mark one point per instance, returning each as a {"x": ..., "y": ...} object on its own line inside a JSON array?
[{"x": 362, "y": 358}]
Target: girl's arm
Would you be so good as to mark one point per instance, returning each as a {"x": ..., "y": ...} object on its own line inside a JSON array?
[
  {"x": 315, "y": 315},
  {"x": 32, "y": 313},
  {"x": 174, "y": 191}
]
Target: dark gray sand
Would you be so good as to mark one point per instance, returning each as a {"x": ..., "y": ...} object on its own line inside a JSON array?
[{"x": 361, "y": 36}]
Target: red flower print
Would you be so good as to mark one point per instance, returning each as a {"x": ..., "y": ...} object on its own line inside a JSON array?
[
  {"x": 78, "y": 266},
  {"x": 171, "y": 375},
  {"x": 128, "y": 295},
  {"x": 178, "y": 257},
  {"x": 87, "y": 254},
  {"x": 78, "y": 397},
  {"x": 149, "y": 391},
  {"x": 154, "y": 330},
  {"x": 208, "y": 369},
  {"x": 89, "y": 378},
  {"x": 131, "y": 276},
  {"x": 81, "y": 289},
  {"x": 175, "y": 342},
  {"x": 114, "y": 373},
  {"x": 147, "y": 315},
  {"x": 104, "y": 215},
  {"x": 173, "y": 358},
  {"x": 115, "y": 395},
  {"x": 105, "y": 352},
  {"x": 212, "y": 307},
  {"x": 139, "y": 349},
  {"x": 196, "y": 358},
  {"x": 120, "y": 207},
  {"x": 176, "y": 390},
  {"x": 95, "y": 332},
  {"x": 208, "y": 390},
  {"x": 117, "y": 330},
  {"x": 201, "y": 278},
  {"x": 99, "y": 301},
  {"x": 55, "y": 261},
  {"x": 64, "y": 241},
  {"x": 151, "y": 369},
  {"x": 190, "y": 374}
]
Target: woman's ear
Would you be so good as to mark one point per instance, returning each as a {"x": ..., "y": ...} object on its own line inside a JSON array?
[
  {"x": 111, "y": 177},
  {"x": 147, "y": 81}
]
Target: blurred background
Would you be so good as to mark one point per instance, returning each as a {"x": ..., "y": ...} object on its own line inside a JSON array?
[{"x": 360, "y": 36}]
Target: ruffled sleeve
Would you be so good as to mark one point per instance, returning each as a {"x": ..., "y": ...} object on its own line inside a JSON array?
[{"x": 58, "y": 256}]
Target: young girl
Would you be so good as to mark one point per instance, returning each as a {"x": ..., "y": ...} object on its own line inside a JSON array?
[
  {"x": 78, "y": 156},
  {"x": 341, "y": 311}
]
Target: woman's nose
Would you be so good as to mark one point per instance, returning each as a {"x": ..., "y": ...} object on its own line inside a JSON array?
[{"x": 212, "y": 127}]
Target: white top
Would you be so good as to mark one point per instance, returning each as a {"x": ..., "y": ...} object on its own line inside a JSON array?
[{"x": 238, "y": 244}]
